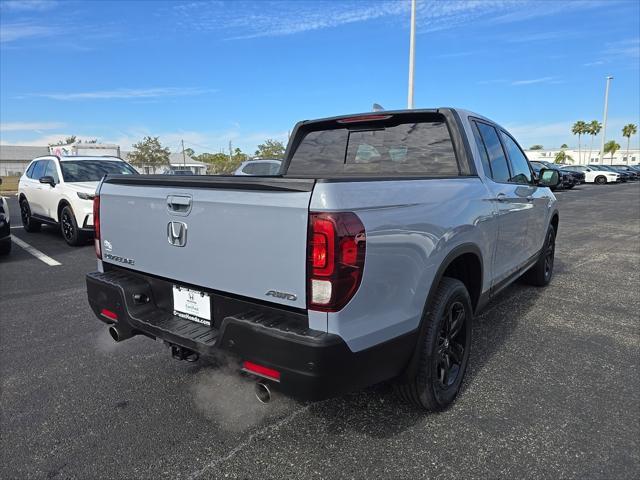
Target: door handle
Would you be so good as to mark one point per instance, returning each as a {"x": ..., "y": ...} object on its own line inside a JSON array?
[
  {"x": 501, "y": 197},
  {"x": 530, "y": 198}
]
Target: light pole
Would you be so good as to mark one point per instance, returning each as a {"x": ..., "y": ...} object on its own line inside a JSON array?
[
  {"x": 604, "y": 120},
  {"x": 412, "y": 53}
]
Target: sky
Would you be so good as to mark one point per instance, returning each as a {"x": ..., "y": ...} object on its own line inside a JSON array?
[{"x": 210, "y": 72}]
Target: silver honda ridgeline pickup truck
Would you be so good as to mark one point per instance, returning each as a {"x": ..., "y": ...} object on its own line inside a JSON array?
[{"x": 364, "y": 260}]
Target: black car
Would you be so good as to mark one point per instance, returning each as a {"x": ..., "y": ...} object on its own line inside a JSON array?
[
  {"x": 578, "y": 177},
  {"x": 635, "y": 174},
  {"x": 568, "y": 181},
  {"x": 5, "y": 227}
]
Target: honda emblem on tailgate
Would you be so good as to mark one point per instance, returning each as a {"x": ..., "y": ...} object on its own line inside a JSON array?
[{"x": 177, "y": 234}]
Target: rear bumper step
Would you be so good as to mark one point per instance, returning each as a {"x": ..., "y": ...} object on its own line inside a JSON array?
[{"x": 312, "y": 364}]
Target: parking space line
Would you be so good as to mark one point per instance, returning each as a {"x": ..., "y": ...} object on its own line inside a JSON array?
[{"x": 35, "y": 252}]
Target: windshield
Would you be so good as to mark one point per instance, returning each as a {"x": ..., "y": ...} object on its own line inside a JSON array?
[{"x": 93, "y": 170}]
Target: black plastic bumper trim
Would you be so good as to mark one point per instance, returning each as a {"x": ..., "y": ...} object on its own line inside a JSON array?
[{"x": 312, "y": 364}]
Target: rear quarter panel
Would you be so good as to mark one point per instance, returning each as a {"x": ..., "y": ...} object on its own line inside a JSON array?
[{"x": 411, "y": 226}]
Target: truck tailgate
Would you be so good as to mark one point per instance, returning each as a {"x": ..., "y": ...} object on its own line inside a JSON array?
[{"x": 245, "y": 237}]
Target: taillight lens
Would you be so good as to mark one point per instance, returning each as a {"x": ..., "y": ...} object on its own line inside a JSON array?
[
  {"x": 337, "y": 243},
  {"x": 96, "y": 225}
]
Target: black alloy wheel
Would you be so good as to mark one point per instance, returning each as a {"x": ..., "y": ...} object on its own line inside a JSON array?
[
  {"x": 69, "y": 228},
  {"x": 451, "y": 345},
  {"x": 549, "y": 255},
  {"x": 28, "y": 223}
]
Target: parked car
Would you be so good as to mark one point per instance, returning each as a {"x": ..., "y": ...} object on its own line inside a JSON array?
[
  {"x": 5, "y": 226},
  {"x": 595, "y": 174},
  {"x": 259, "y": 167},
  {"x": 178, "y": 171},
  {"x": 59, "y": 191},
  {"x": 633, "y": 174},
  {"x": 364, "y": 262},
  {"x": 567, "y": 180},
  {"x": 624, "y": 177},
  {"x": 578, "y": 177}
]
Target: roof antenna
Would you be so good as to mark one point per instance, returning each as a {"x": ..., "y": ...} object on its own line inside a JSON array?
[{"x": 377, "y": 107}]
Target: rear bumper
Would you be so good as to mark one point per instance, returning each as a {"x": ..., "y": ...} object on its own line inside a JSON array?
[{"x": 313, "y": 365}]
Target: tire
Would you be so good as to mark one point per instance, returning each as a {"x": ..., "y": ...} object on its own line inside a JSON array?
[
  {"x": 69, "y": 228},
  {"x": 28, "y": 223},
  {"x": 5, "y": 246},
  {"x": 541, "y": 273},
  {"x": 441, "y": 349},
  {"x": 600, "y": 180}
]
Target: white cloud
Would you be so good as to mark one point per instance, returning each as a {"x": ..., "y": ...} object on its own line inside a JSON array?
[
  {"x": 29, "y": 126},
  {"x": 40, "y": 141},
  {"x": 533, "y": 81},
  {"x": 279, "y": 18},
  {"x": 593, "y": 64},
  {"x": 126, "y": 93},
  {"x": 27, "y": 5},
  {"x": 10, "y": 32}
]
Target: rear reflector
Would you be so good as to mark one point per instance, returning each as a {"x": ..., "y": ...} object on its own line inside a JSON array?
[
  {"x": 109, "y": 314},
  {"x": 261, "y": 370}
]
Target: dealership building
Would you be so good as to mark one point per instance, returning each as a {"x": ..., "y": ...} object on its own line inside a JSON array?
[{"x": 588, "y": 156}]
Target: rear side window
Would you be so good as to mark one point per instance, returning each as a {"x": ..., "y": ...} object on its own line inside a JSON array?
[
  {"x": 416, "y": 148},
  {"x": 38, "y": 169},
  {"x": 484, "y": 156},
  {"x": 497, "y": 158}
]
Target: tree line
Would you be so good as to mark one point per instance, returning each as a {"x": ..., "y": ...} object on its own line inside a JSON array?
[
  {"x": 592, "y": 128},
  {"x": 149, "y": 152}
]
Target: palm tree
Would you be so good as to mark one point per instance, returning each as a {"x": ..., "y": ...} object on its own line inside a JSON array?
[
  {"x": 579, "y": 128},
  {"x": 627, "y": 131},
  {"x": 611, "y": 147},
  {"x": 594, "y": 128},
  {"x": 563, "y": 157}
]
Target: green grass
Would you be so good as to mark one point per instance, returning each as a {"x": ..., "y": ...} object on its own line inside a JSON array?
[{"x": 9, "y": 184}]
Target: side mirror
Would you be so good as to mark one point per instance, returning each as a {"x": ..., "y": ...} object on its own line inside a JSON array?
[
  {"x": 549, "y": 177},
  {"x": 49, "y": 180}
]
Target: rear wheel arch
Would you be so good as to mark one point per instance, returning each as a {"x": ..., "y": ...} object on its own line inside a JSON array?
[{"x": 463, "y": 263}]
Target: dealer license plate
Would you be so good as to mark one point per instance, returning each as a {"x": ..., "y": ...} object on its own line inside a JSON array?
[{"x": 192, "y": 305}]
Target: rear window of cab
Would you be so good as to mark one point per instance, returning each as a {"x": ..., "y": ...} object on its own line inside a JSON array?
[{"x": 400, "y": 146}]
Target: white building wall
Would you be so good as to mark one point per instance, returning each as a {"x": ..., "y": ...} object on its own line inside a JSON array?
[{"x": 588, "y": 156}]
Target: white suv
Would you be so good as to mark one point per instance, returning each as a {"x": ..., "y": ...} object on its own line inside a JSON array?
[{"x": 60, "y": 190}]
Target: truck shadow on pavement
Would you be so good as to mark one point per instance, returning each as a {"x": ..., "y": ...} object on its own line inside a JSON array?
[{"x": 378, "y": 412}]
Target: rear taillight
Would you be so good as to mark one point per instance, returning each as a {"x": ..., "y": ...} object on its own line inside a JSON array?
[
  {"x": 96, "y": 225},
  {"x": 336, "y": 251}
]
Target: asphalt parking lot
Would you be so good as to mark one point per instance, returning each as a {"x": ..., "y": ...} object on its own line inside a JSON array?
[{"x": 553, "y": 389}]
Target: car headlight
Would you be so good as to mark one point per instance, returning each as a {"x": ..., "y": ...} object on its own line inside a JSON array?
[{"x": 86, "y": 196}]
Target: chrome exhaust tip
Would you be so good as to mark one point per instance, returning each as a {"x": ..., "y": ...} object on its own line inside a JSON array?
[
  {"x": 118, "y": 334},
  {"x": 263, "y": 394}
]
